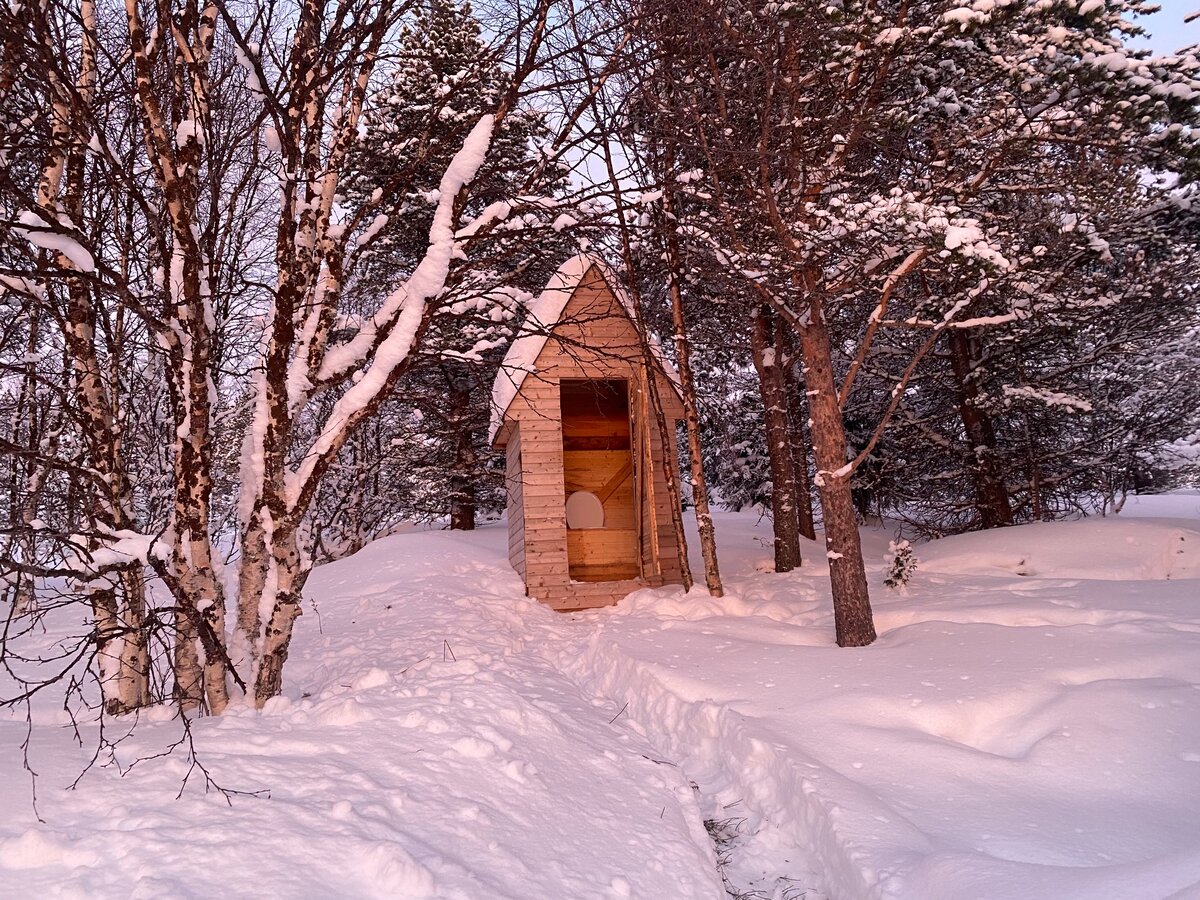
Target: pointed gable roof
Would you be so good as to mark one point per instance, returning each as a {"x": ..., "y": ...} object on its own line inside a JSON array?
[{"x": 544, "y": 314}]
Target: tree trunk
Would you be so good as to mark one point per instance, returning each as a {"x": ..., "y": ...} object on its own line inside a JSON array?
[
  {"x": 130, "y": 686},
  {"x": 119, "y": 614},
  {"x": 1036, "y": 505},
  {"x": 24, "y": 542},
  {"x": 189, "y": 687},
  {"x": 797, "y": 416},
  {"x": 289, "y": 582},
  {"x": 252, "y": 581},
  {"x": 462, "y": 478},
  {"x": 704, "y": 522},
  {"x": 691, "y": 412},
  {"x": 670, "y": 469},
  {"x": 847, "y": 575},
  {"x": 135, "y": 663},
  {"x": 110, "y": 647},
  {"x": 199, "y": 590},
  {"x": 991, "y": 496},
  {"x": 27, "y": 479},
  {"x": 772, "y": 385}
]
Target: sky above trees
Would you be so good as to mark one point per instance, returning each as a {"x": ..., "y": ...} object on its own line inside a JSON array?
[{"x": 1168, "y": 30}]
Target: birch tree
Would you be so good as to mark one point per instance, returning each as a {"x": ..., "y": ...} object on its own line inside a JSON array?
[{"x": 207, "y": 103}]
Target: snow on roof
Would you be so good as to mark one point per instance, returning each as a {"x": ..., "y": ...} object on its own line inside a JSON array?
[{"x": 544, "y": 314}]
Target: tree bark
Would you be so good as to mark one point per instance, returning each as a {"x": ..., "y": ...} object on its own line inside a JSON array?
[
  {"x": 133, "y": 678},
  {"x": 176, "y": 159},
  {"x": 462, "y": 478},
  {"x": 1034, "y": 472},
  {"x": 290, "y": 578},
  {"x": 26, "y": 489},
  {"x": 772, "y": 384},
  {"x": 687, "y": 390},
  {"x": 847, "y": 574},
  {"x": 991, "y": 496},
  {"x": 252, "y": 580},
  {"x": 704, "y": 521},
  {"x": 119, "y": 613},
  {"x": 189, "y": 686},
  {"x": 670, "y": 467},
  {"x": 797, "y": 416}
]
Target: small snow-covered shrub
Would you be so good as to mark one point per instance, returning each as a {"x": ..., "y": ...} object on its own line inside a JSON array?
[{"x": 902, "y": 564}]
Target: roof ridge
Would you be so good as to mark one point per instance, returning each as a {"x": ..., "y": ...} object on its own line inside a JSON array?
[{"x": 544, "y": 314}]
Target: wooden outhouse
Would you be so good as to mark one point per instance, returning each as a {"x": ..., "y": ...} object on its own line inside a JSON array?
[{"x": 589, "y": 511}]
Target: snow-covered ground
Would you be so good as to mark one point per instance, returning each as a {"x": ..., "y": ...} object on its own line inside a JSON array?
[
  {"x": 1008, "y": 736},
  {"x": 425, "y": 747},
  {"x": 1027, "y": 726}
]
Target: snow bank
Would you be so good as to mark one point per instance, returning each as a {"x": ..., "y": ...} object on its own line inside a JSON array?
[
  {"x": 1009, "y": 736},
  {"x": 1006, "y": 737},
  {"x": 1111, "y": 549},
  {"x": 424, "y": 748},
  {"x": 1181, "y": 504}
]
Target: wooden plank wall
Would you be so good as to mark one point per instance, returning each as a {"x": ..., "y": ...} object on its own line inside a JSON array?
[
  {"x": 595, "y": 341},
  {"x": 542, "y": 487},
  {"x": 516, "y": 502},
  {"x": 656, "y": 505}
]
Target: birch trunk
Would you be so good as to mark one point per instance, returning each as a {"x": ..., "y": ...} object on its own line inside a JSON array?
[
  {"x": 25, "y": 590},
  {"x": 189, "y": 675},
  {"x": 252, "y": 581},
  {"x": 26, "y": 488},
  {"x": 289, "y": 582},
  {"x": 119, "y": 615},
  {"x": 176, "y": 155},
  {"x": 110, "y": 645},
  {"x": 132, "y": 688}
]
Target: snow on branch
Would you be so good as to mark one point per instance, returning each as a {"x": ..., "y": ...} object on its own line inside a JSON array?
[
  {"x": 41, "y": 233},
  {"x": 401, "y": 313},
  {"x": 1049, "y": 398}
]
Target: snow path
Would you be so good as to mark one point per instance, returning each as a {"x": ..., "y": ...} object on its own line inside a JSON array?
[
  {"x": 1027, "y": 726},
  {"x": 1006, "y": 737},
  {"x": 425, "y": 748}
]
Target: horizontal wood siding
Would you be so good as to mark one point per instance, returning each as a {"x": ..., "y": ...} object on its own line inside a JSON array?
[
  {"x": 595, "y": 340},
  {"x": 542, "y": 487}
]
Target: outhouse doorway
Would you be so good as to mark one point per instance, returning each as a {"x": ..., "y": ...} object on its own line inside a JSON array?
[
  {"x": 585, "y": 406},
  {"x": 598, "y": 480}
]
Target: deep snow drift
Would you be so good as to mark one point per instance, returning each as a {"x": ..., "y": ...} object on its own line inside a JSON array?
[
  {"x": 1007, "y": 736},
  {"x": 424, "y": 748},
  {"x": 1027, "y": 726}
]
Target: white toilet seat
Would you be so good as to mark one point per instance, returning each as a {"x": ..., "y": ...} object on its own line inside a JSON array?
[{"x": 584, "y": 510}]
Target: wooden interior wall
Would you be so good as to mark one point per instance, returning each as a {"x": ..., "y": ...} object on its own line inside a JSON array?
[{"x": 597, "y": 459}]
